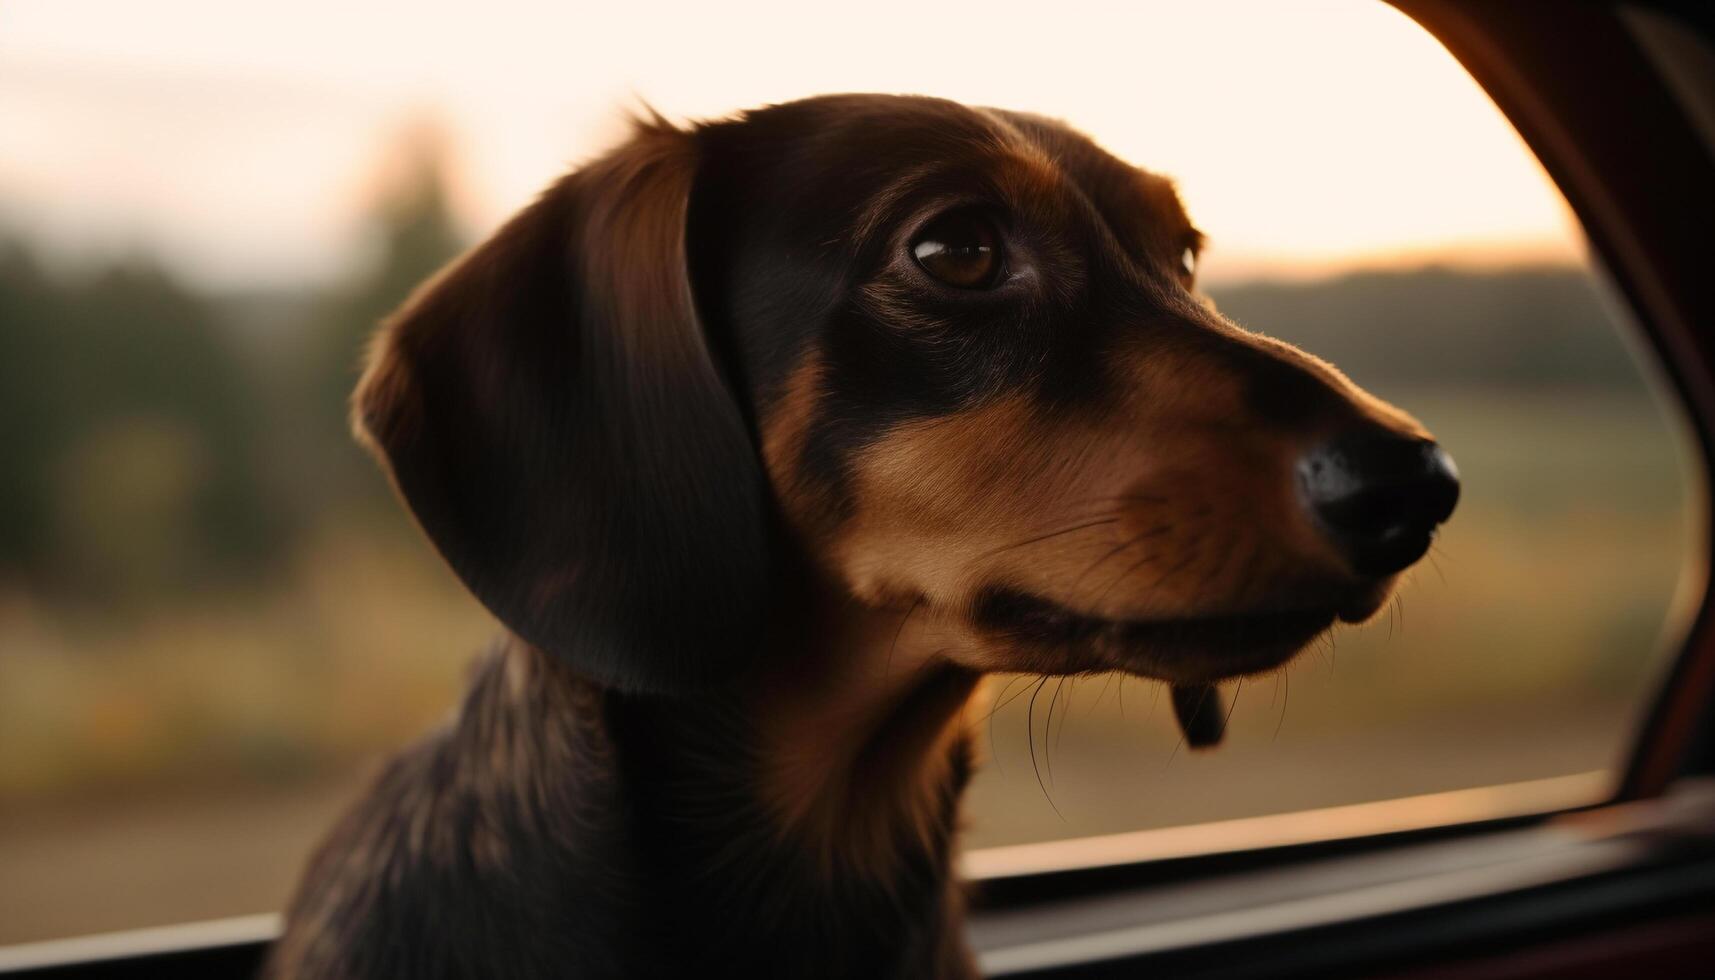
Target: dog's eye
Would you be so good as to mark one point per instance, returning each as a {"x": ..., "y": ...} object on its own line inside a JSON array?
[
  {"x": 1188, "y": 262},
  {"x": 960, "y": 248}
]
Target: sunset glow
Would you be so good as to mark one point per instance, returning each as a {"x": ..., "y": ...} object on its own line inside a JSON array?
[{"x": 242, "y": 140}]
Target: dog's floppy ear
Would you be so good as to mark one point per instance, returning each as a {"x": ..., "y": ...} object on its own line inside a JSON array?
[{"x": 550, "y": 409}]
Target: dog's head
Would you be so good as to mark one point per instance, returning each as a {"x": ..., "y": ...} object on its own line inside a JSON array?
[{"x": 942, "y": 357}]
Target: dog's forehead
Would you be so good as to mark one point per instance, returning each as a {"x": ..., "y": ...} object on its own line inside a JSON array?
[
  {"x": 874, "y": 147},
  {"x": 1141, "y": 206}
]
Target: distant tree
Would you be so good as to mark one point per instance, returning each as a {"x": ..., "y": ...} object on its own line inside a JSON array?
[
  {"x": 1518, "y": 327},
  {"x": 33, "y": 407},
  {"x": 124, "y": 420}
]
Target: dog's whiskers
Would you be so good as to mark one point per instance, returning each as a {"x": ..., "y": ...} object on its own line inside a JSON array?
[
  {"x": 994, "y": 753},
  {"x": 1153, "y": 532},
  {"x": 1111, "y": 519},
  {"x": 887, "y": 672},
  {"x": 1146, "y": 498},
  {"x": 1098, "y": 519},
  {"x": 1215, "y": 568},
  {"x": 1071, "y": 689},
  {"x": 1134, "y": 566},
  {"x": 1030, "y": 727},
  {"x": 1285, "y": 673},
  {"x": 1001, "y": 704},
  {"x": 1176, "y": 569},
  {"x": 1048, "y": 740}
]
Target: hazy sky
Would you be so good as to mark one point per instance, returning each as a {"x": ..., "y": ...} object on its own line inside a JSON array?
[{"x": 241, "y": 139}]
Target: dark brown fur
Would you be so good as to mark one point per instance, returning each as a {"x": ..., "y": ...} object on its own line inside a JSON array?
[{"x": 759, "y": 503}]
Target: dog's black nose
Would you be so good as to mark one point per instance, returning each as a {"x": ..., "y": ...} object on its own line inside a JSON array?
[{"x": 1380, "y": 496}]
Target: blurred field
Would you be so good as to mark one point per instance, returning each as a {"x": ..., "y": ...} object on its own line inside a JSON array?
[{"x": 175, "y": 760}]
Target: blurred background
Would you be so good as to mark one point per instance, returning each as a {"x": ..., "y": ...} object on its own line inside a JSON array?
[{"x": 214, "y": 618}]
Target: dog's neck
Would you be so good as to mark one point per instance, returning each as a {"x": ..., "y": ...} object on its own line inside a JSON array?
[
  {"x": 858, "y": 735},
  {"x": 843, "y": 744},
  {"x": 825, "y": 784}
]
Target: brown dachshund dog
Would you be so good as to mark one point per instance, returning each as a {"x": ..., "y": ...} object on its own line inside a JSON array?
[{"x": 766, "y": 439}]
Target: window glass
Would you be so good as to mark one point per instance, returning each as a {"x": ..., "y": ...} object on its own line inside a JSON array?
[{"x": 214, "y": 618}]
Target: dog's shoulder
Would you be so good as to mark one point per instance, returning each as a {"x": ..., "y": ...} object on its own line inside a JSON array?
[{"x": 495, "y": 846}]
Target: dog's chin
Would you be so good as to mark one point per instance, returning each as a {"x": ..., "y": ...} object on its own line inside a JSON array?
[
  {"x": 1180, "y": 650},
  {"x": 1366, "y": 602},
  {"x": 1206, "y": 649}
]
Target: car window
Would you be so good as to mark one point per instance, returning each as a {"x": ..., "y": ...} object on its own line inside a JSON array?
[{"x": 215, "y": 619}]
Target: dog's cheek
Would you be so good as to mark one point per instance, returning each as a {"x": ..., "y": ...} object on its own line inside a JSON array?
[
  {"x": 936, "y": 502},
  {"x": 809, "y": 506}
]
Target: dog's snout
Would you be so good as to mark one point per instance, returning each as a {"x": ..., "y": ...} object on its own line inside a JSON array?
[{"x": 1380, "y": 496}]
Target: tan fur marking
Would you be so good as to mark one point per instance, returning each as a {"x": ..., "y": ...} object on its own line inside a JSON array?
[
  {"x": 1162, "y": 505},
  {"x": 857, "y": 739},
  {"x": 783, "y": 435}
]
